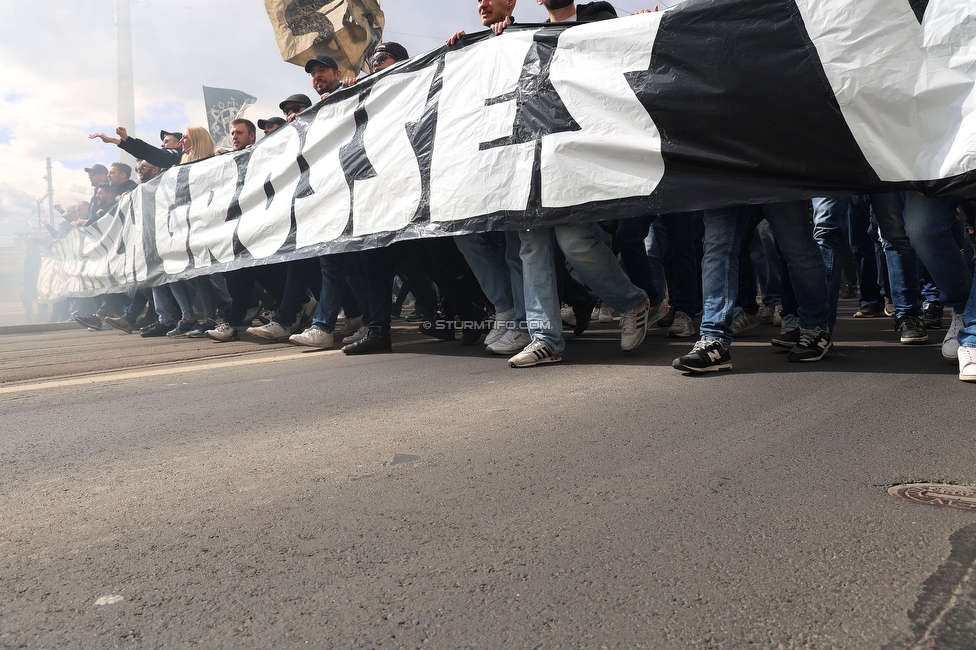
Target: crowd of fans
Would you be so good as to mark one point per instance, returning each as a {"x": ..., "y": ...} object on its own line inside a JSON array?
[{"x": 903, "y": 255}]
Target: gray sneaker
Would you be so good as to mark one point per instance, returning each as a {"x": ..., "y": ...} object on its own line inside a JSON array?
[
  {"x": 313, "y": 337},
  {"x": 682, "y": 327}
]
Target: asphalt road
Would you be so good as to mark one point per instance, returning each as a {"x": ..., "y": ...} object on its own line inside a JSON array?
[{"x": 159, "y": 493}]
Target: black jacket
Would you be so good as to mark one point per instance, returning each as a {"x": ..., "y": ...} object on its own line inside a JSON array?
[
  {"x": 595, "y": 11},
  {"x": 162, "y": 158}
]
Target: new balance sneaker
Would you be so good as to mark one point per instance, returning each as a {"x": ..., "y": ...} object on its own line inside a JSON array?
[
  {"x": 682, "y": 327},
  {"x": 634, "y": 323},
  {"x": 273, "y": 331},
  {"x": 743, "y": 322},
  {"x": 202, "y": 328},
  {"x": 787, "y": 339},
  {"x": 182, "y": 328},
  {"x": 224, "y": 332},
  {"x": 358, "y": 335},
  {"x": 706, "y": 356},
  {"x": 119, "y": 323},
  {"x": 932, "y": 316},
  {"x": 812, "y": 346},
  {"x": 313, "y": 337},
  {"x": 967, "y": 364},
  {"x": 510, "y": 342},
  {"x": 156, "y": 329},
  {"x": 91, "y": 321},
  {"x": 606, "y": 313},
  {"x": 351, "y": 326},
  {"x": 950, "y": 344},
  {"x": 911, "y": 330},
  {"x": 535, "y": 353},
  {"x": 501, "y": 326}
]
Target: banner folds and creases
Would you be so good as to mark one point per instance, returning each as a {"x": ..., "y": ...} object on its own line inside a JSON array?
[{"x": 710, "y": 104}]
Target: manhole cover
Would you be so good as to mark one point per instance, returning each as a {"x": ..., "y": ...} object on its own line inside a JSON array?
[{"x": 959, "y": 497}]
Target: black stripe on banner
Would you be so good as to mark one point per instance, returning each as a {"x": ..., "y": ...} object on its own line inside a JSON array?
[{"x": 728, "y": 105}]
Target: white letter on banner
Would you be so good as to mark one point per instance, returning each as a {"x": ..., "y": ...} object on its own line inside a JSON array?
[
  {"x": 323, "y": 216},
  {"x": 390, "y": 200},
  {"x": 617, "y": 152},
  {"x": 465, "y": 181},
  {"x": 130, "y": 206},
  {"x": 263, "y": 228},
  {"x": 210, "y": 232},
  {"x": 906, "y": 90},
  {"x": 171, "y": 227}
]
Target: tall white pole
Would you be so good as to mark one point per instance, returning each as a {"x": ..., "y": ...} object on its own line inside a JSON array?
[{"x": 127, "y": 103}]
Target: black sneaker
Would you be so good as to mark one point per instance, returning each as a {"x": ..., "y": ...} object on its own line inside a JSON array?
[
  {"x": 156, "y": 329},
  {"x": 912, "y": 330},
  {"x": 706, "y": 356},
  {"x": 668, "y": 319},
  {"x": 91, "y": 321},
  {"x": 812, "y": 346},
  {"x": 370, "y": 343},
  {"x": 438, "y": 328},
  {"x": 932, "y": 316},
  {"x": 787, "y": 339}
]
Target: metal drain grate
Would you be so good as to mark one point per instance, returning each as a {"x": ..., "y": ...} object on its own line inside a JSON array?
[{"x": 940, "y": 495}]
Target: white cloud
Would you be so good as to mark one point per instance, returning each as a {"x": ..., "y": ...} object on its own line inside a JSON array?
[{"x": 57, "y": 81}]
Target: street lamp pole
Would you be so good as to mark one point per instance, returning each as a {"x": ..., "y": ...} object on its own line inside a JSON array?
[{"x": 126, "y": 89}]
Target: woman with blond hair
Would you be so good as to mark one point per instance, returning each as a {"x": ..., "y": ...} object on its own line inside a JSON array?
[{"x": 196, "y": 144}]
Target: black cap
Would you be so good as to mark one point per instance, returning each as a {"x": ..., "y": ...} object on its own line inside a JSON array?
[
  {"x": 300, "y": 99},
  {"x": 395, "y": 50},
  {"x": 323, "y": 59},
  {"x": 175, "y": 134},
  {"x": 96, "y": 169},
  {"x": 263, "y": 124}
]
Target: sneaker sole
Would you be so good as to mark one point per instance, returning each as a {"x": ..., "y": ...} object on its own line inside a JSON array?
[
  {"x": 699, "y": 371},
  {"x": 794, "y": 359},
  {"x": 317, "y": 346},
  {"x": 538, "y": 362},
  {"x": 915, "y": 341},
  {"x": 786, "y": 345},
  {"x": 969, "y": 378}
]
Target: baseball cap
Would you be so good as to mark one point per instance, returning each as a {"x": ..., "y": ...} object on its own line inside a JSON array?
[
  {"x": 175, "y": 134},
  {"x": 96, "y": 169},
  {"x": 395, "y": 50},
  {"x": 323, "y": 59},
  {"x": 262, "y": 124},
  {"x": 299, "y": 99}
]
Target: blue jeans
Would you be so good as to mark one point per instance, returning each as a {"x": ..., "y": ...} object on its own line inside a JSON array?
[
  {"x": 679, "y": 230},
  {"x": 769, "y": 270},
  {"x": 724, "y": 232},
  {"x": 967, "y": 335},
  {"x": 929, "y": 223},
  {"x": 866, "y": 255},
  {"x": 589, "y": 256},
  {"x": 333, "y": 268},
  {"x": 502, "y": 283},
  {"x": 299, "y": 275},
  {"x": 166, "y": 307},
  {"x": 830, "y": 217},
  {"x": 889, "y": 210}
]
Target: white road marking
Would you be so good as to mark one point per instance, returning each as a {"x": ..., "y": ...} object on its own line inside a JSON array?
[{"x": 109, "y": 600}]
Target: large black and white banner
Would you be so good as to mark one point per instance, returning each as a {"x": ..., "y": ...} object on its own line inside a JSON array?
[{"x": 712, "y": 103}]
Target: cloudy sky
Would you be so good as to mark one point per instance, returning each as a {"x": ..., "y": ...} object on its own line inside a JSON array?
[{"x": 58, "y": 76}]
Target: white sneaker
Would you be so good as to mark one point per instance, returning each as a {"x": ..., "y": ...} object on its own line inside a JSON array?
[
  {"x": 223, "y": 332},
  {"x": 606, "y": 313},
  {"x": 313, "y": 337},
  {"x": 683, "y": 326},
  {"x": 967, "y": 364},
  {"x": 265, "y": 317},
  {"x": 273, "y": 331},
  {"x": 357, "y": 335},
  {"x": 568, "y": 315},
  {"x": 950, "y": 344},
  {"x": 533, "y": 354},
  {"x": 633, "y": 324},
  {"x": 351, "y": 326},
  {"x": 500, "y": 328},
  {"x": 252, "y": 313},
  {"x": 510, "y": 342}
]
